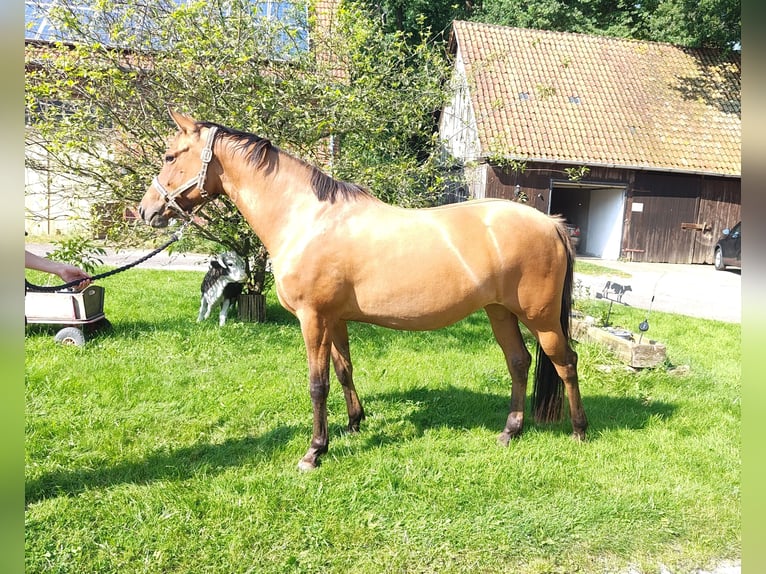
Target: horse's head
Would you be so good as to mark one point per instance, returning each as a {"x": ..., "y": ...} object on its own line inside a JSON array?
[{"x": 183, "y": 182}]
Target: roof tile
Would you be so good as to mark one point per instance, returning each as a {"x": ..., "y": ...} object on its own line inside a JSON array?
[{"x": 636, "y": 104}]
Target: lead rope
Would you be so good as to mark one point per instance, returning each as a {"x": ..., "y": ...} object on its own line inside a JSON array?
[{"x": 52, "y": 288}]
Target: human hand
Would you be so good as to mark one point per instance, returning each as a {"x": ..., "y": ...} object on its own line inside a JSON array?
[{"x": 69, "y": 273}]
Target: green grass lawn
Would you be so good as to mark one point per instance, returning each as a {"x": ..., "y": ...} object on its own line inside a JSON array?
[
  {"x": 588, "y": 268},
  {"x": 168, "y": 446}
]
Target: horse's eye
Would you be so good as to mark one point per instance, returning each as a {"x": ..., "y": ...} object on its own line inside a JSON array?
[{"x": 170, "y": 158}]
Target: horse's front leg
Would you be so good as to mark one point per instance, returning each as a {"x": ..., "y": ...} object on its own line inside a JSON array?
[{"x": 316, "y": 336}]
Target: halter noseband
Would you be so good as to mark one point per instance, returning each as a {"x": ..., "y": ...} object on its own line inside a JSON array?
[{"x": 199, "y": 182}]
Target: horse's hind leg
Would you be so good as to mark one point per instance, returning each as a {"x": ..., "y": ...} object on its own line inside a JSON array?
[
  {"x": 564, "y": 360},
  {"x": 341, "y": 360},
  {"x": 505, "y": 327}
]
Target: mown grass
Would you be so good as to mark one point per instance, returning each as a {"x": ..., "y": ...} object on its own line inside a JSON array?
[
  {"x": 588, "y": 268},
  {"x": 170, "y": 446}
]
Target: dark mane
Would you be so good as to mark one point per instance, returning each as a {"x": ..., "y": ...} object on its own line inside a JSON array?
[
  {"x": 256, "y": 149},
  {"x": 329, "y": 189},
  {"x": 253, "y": 147}
]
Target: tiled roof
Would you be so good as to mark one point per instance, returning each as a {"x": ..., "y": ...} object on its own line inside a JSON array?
[{"x": 583, "y": 99}]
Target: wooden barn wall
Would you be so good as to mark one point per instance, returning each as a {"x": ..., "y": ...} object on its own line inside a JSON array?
[
  {"x": 502, "y": 181},
  {"x": 670, "y": 218},
  {"x": 535, "y": 181},
  {"x": 660, "y": 204},
  {"x": 682, "y": 217},
  {"x": 720, "y": 207}
]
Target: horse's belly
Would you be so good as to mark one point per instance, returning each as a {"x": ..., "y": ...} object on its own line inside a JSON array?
[
  {"x": 415, "y": 323},
  {"x": 420, "y": 308}
]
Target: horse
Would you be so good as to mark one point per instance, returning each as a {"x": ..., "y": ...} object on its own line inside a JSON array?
[{"x": 333, "y": 245}]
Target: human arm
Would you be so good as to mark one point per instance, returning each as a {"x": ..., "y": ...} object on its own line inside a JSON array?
[{"x": 65, "y": 271}]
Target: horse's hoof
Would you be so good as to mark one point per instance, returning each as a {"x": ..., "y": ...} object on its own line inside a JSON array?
[
  {"x": 505, "y": 437},
  {"x": 579, "y": 436},
  {"x": 354, "y": 424},
  {"x": 306, "y": 465}
]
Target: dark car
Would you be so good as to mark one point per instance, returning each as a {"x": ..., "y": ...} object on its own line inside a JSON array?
[{"x": 728, "y": 250}]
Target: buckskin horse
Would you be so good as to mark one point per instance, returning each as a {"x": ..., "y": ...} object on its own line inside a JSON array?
[{"x": 333, "y": 246}]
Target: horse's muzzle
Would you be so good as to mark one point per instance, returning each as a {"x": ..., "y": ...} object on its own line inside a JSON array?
[{"x": 153, "y": 217}]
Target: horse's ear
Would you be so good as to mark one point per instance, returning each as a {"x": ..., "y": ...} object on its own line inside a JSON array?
[{"x": 185, "y": 123}]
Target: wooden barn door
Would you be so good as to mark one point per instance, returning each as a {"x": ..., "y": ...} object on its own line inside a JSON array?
[
  {"x": 720, "y": 207},
  {"x": 660, "y": 205}
]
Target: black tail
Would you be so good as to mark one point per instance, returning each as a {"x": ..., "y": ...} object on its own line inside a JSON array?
[{"x": 548, "y": 391}]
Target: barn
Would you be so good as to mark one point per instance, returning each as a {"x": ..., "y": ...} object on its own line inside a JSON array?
[{"x": 638, "y": 143}]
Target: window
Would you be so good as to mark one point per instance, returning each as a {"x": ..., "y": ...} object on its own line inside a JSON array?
[
  {"x": 291, "y": 30},
  {"x": 37, "y": 25},
  {"x": 42, "y": 18},
  {"x": 286, "y": 23}
]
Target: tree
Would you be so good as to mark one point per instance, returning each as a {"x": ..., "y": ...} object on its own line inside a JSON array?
[
  {"x": 690, "y": 23},
  {"x": 693, "y": 23},
  {"x": 415, "y": 16},
  {"x": 97, "y": 100}
]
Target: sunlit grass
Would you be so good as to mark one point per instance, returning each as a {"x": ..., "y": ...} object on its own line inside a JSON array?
[
  {"x": 165, "y": 445},
  {"x": 588, "y": 268}
]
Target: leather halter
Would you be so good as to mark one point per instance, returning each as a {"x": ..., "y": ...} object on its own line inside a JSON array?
[{"x": 199, "y": 181}]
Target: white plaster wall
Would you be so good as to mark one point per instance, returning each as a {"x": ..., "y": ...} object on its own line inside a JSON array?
[
  {"x": 605, "y": 220},
  {"x": 55, "y": 204},
  {"x": 457, "y": 126}
]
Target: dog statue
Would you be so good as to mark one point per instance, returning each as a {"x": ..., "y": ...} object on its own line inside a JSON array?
[{"x": 222, "y": 282}]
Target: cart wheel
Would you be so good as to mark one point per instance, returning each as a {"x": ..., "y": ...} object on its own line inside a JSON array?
[{"x": 70, "y": 336}]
